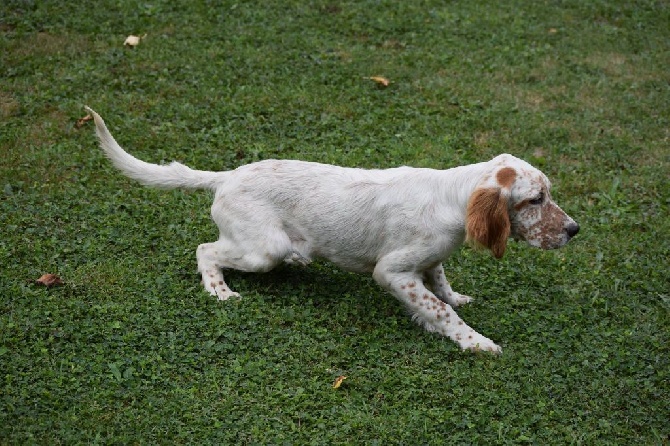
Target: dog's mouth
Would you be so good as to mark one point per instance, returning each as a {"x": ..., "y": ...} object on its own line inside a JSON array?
[{"x": 548, "y": 242}]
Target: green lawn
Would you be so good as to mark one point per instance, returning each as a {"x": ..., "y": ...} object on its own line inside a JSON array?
[{"x": 132, "y": 350}]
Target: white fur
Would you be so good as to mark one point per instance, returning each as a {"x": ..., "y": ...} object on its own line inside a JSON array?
[{"x": 398, "y": 224}]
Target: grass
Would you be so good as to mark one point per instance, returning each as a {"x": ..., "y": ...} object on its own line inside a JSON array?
[{"x": 131, "y": 350}]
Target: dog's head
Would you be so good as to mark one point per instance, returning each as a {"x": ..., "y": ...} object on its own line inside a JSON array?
[{"x": 514, "y": 200}]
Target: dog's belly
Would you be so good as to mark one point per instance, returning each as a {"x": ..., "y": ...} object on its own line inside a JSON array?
[
  {"x": 343, "y": 255},
  {"x": 355, "y": 265}
]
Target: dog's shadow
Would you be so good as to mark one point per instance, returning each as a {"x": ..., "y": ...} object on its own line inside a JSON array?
[
  {"x": 320, "y": 285},
  {"x": 320, "y": 281}
]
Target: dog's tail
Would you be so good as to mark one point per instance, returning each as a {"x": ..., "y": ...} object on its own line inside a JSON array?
[{"x": 168, "y": 176}]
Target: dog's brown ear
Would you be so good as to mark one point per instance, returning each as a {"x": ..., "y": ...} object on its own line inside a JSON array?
[{"x": 487, "y": 220}]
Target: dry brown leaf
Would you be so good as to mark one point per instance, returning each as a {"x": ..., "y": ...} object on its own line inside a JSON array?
[
  {"x": 81, "y": 121},
  {"x": 49, "y": 280},
  {"x": 338, "y": 381},
  {"x": 380, "y": 80},
  {"x": 553, "y": 30}
]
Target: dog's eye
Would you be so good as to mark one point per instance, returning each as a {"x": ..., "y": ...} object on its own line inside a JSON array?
[{"x": 538, "y": 200}]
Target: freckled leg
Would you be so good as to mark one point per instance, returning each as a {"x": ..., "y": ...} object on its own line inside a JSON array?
[
  {"x": 437, "y": 282},
  {"x": 224, "y": 253},
  {"x": 428, "y": 310},
  {"x": 254, "y": 246},
  {"x": 210, "y": 269}
]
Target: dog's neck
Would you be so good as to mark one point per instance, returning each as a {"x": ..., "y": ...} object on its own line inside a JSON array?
[{"x": 458, "y": 183}]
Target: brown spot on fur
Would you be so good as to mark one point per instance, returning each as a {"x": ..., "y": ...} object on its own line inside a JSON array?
[
  {"x": 506, "y": 177},
  {"x": 460, "y": 322},
  {"x": 553, "y": 221},
  {"x": 213, "y": 285},
  {"x": 220, "y": 282},
  {"x": 412, "y": 295},
  {"x": 411, "y": 284},
  {"x": 426, "y": 297},
  {"x": 402, "y": 287}
]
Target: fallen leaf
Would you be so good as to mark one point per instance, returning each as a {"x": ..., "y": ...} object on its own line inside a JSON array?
[
  {"x": 380, "y": 80},
  {"x": 553, "y": 30},
  {"x": 81, "y": 121},
  {"x": 49, "y": 280},
  {"x": 133, "y": 40},
  {"x": 338, "y": 381}
]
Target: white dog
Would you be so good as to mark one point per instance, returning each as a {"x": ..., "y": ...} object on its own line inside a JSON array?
[{"x": 398, "y": 224}]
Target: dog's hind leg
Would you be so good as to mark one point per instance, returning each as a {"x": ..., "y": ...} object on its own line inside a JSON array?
[
  {"x": 259, "y": 255},
  {"x": 209, "y": 266}
]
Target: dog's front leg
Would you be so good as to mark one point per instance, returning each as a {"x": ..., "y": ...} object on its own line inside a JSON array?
[
  {"x": 430, "y": 311},
  {"x": 438, "y": 283}
]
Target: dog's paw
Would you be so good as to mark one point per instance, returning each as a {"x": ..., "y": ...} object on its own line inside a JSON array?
[
  {"x": 226, "y": 294},
  {"x": 216, "y": 286},
  {"x": 456, "y": 300},
  {"x": 480, "y": 343}
]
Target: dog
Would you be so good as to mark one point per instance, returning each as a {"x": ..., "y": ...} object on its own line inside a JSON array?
[{"x": 398, "y": 224}]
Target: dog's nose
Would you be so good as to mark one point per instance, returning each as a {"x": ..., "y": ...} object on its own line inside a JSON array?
[{"x": 572, "y": 229}]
